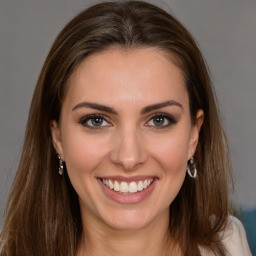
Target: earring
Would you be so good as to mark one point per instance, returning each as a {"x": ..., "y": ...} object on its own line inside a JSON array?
[
  {"x": 61, "y": 167},
  {"x": 191, "y": 164}
]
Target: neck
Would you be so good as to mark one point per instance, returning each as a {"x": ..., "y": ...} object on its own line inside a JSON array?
[{"x": 152, "y": 240}]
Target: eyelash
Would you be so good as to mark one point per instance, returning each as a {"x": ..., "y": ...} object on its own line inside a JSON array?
[
  {"x": 167, "y": 118},
  {"x": 84, "y": 121},
  {"x": 170, "y": 119}
]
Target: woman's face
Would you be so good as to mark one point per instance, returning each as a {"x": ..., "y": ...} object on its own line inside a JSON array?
[{"x": 126, "y": 136}]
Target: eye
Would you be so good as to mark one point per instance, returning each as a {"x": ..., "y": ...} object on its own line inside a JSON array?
[
  {"x": 94, "y": 121},
  {"x": 161, "y": 120}
]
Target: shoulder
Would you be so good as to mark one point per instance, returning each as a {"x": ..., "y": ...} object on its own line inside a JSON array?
[{"x": 234, "y": 238}]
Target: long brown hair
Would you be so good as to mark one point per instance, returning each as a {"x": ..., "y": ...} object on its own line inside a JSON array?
[{"x": 42, "y": 215}]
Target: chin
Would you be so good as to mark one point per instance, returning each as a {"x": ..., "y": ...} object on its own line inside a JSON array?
[{"x": 131, "y": 219}]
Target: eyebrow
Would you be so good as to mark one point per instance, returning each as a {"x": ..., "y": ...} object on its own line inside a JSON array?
[
  {"x": 113, "y": 111},
  {"x": 161, "y": 105},
  {"x": 95, "y": 106}
]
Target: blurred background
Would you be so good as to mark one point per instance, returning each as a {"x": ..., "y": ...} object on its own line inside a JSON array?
[{"x": 226, "y": 33}]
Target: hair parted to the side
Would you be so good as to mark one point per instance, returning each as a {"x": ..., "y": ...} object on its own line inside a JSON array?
[{"x": 42, "y": 216}]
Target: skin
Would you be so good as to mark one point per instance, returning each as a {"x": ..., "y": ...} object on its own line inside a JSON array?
[{"x": 128, "y": 143}]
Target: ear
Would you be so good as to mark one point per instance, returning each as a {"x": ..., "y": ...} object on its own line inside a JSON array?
[
  {"x": 194, "y": 136},
  {"x": 56, "y": 138}
]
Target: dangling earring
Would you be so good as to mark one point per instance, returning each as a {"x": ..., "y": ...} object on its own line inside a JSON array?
[
  {"x": 191, "y": 164},
  {"x": 61, "y": 167}
]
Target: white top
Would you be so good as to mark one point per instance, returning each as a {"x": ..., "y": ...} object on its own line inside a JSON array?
[{"x": 234, "y": 239}]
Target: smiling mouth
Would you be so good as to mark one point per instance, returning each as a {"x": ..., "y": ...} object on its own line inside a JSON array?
[{"x": 127, "y": 188}]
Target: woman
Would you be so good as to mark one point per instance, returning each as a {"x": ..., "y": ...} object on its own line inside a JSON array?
[{"x": 125, "y": 101}]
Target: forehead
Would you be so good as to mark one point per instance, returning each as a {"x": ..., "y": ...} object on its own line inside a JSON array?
[{"x": 127, "y": 74}]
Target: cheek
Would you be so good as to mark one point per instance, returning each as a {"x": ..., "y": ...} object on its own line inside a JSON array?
[
  {"x": 83, "y": 153},
  {"x": 172, "y": 154}
]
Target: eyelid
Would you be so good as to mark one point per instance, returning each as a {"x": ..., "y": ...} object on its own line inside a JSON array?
[
  {"x": 86, "y": 118},
  {"x": 169, "y": 117}
]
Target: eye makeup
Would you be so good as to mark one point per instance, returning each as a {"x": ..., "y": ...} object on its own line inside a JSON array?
[
  {"x": 156, "y": 121},
  {"x": 161, "y": 120},
  {"x": 95, "y": 121}
]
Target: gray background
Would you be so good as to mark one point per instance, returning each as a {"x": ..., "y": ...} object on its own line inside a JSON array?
[{"x": 224, "y": 29}]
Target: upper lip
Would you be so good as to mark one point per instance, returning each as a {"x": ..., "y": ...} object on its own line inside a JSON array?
[{"x": 128, "y": 178}]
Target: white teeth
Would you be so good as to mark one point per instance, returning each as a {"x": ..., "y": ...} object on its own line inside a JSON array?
[
  {"x": 140, "y": 186},
  {"x": 110, "y": 184},
  {"x": 125, "y": 187},
  {"x": 116, "y": 186},
  {"x": 145, "y": 184},
  {"x": 133, "y": 187}
]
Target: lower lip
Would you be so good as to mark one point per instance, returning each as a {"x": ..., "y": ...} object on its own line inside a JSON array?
[{"x": 129, "y": 198}]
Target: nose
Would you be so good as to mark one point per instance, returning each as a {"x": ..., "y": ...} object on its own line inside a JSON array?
[{"x": 129, "y": 151}]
